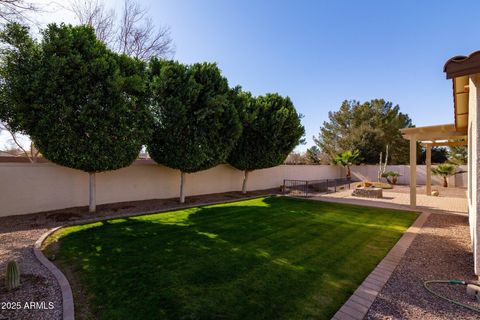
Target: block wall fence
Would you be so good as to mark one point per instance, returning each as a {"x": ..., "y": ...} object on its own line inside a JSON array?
[{"x": 28, "y": 188}]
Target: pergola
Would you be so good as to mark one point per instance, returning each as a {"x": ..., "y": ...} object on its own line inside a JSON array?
[{"x": 428, "y": 137}]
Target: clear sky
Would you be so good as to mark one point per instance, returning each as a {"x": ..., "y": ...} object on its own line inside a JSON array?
[{"x": 320, "y": 53}]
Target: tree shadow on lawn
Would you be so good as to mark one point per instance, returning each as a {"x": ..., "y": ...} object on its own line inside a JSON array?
[{"x": 271, "y": 258}]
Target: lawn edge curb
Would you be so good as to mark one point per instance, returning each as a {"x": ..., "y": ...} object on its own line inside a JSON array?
[
  {"x": 68, "y": 306},
  {"x": 352, "y": 309},
  {"x": 68, "y": 311}
]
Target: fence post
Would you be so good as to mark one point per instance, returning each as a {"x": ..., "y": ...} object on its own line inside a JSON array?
[
  {"x": 283, "y": 190},
  {"x": 306, "y": 188}
]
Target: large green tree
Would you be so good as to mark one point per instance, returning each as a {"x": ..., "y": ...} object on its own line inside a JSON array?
[
  {"x": 271, "y": 130},
  {"x": 439, "y": 155},
  {"x": 83, "y": 106},
  {"x": 313, "y": 155},
  {"x": 368, "y": 127},
  {"x": 195, "y": 120},
  {"x": 458, "y": 154}
]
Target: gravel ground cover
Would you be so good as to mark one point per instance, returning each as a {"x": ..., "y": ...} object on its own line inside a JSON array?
[
  {"x": 450, "y": 192},
  {"x": 440, "y": 251},
  {"x": 398, "y": 197},
  {"x": 37, "y": 284}
]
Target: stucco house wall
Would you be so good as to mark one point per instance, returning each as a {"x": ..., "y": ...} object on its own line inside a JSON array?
[{"x": 473, "y": 165}]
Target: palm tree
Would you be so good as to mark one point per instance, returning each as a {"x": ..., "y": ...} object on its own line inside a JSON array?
[
  {"x": 346, "y": 159},
  {"x": 445, "y": 170}
]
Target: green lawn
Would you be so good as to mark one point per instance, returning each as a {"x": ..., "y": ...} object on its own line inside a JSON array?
[{"x": 267, "y": 258}]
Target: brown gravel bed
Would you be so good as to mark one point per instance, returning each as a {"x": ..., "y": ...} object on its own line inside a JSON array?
[
  {"x": 19, "y": 233},
  {"x": 451, "y": 192},
  {"x": 440, "y": 251},
  {"x": 37, "y": 284}
]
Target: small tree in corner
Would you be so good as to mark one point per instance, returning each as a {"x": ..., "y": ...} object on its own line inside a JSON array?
[
  {"x": 195, "y": 121},
  {"x": 444, "y": 170},
  {"x": 346, "y": 159},
  {"x": 271, "y": 130},
  {"x": 82, "y": 105}
]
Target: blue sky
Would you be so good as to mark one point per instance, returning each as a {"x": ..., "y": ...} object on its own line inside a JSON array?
[{"x": 320, "y": 53}]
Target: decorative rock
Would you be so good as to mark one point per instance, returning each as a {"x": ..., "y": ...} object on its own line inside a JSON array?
[
  {"x": 435, "y": 193},
  {"x": 369, "y": 192}
]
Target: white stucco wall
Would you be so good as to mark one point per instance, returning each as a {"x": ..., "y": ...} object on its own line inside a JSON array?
[
  {"x": 27, "y": 188},
  {"x": 370, "y": 172},
  {"x": 474, "y": 162}
]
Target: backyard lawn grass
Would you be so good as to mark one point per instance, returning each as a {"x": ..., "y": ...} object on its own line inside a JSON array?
[{"x": 266, "y": 258}]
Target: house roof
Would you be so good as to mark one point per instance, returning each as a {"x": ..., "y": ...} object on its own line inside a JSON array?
[
  {"x": 462, "y": 65},
  {"x": 459, "y": 69}
]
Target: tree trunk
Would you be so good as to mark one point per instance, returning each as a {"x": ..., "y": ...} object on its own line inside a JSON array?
[
  {"x": 182, "y": 185},
  {"x": 92, "y": 200},
  {"x": 445, "y": 182},
  {"x": 348, "y": 172},
  {"x": 245, "y": 178}
]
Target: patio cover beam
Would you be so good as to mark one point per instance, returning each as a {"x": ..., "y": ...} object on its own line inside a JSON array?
[
  {"x": 429, "y": 136},
  {"x": 445, "y": 143},
  {"x": 433, "y": 133},
  {"x": 437, "y": 136}
]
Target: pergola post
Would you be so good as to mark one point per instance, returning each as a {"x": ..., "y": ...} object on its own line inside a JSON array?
[
  {"x": 413, "y": 171},
  {"x": 441, "y": 135},
  {"x": 428, "y": 162}
]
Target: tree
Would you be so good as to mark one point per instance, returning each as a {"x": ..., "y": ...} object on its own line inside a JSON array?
[
  {"x": 83, "y": 106},
  {"x": 458, "y": 155},
  {"x": 444, "y": 170},
  {"x": 391, "y": 176},
  {"x": 17, "y": 147},
  {"x": 271, "y": 130},
  {"x": 313, "y": 155},
  {"x": 439, "y": 155},
  {"x": 195, "y": 121},
  {"x": 346, "y": 159},
  {"x": 368, "y": 127},
  {"x": 134, "y": 34},
  {"x": 95, "y": 14},
  {"x": 296, "y": 158},
  {"x": 16, "y": 10}
]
